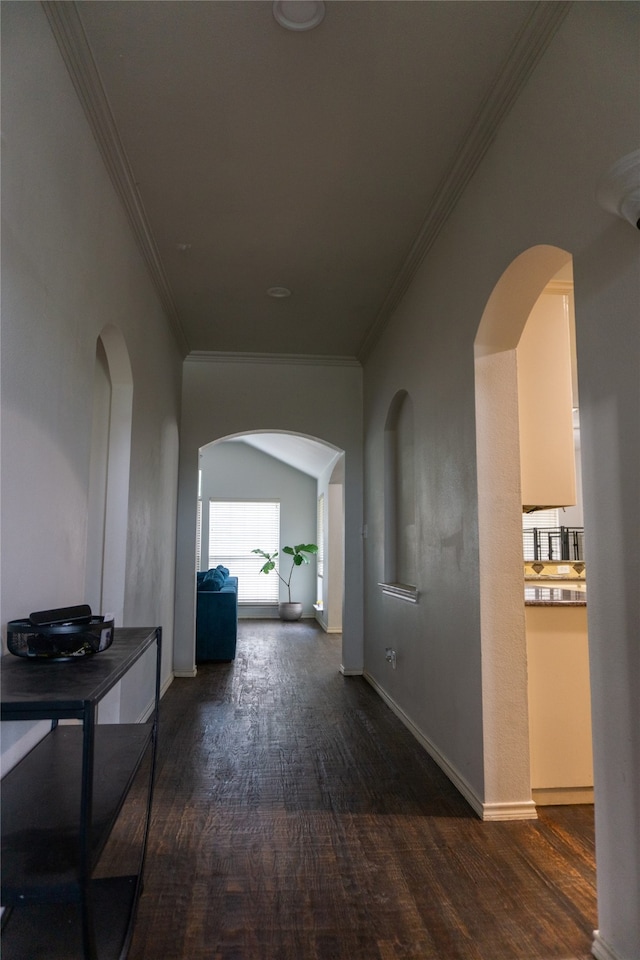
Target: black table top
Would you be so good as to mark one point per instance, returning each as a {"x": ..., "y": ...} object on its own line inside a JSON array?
[{"x": 33, "y": 688}]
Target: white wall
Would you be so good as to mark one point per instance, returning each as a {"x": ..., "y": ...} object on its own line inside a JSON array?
[
  {"x": 331, "y": 486},
  {"x": 71, "y": 267},
  {"x": 320, "y": 400},
  {"x": 236, "y": 471},
  {"x": 536, "y": 185}
]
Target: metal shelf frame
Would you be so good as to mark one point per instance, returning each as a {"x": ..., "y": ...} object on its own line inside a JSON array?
[{"x": 61, "y": 801}]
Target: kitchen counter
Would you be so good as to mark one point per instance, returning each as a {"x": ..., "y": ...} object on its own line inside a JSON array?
[
  {"x": 559, "y": 699},
  {"x": 537, "y": 594}
]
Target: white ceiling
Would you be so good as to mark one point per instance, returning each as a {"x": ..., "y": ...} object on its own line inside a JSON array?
[
  {"x": 310, "y": 456},
  {"x": 250, "y": 156}
]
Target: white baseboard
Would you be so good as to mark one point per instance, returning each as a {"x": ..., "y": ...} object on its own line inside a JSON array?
[
  {"x": 273, "y": 616},
  {"x": 350, "y": 673},
  {"x": 552, "y": 796},
  {"x": 146, "y": 713},
  {"x": 519, "y": 810},
  {"x": 458, "y": 781},
  {"x": 325, "y": 627},
  {"x": 603, "y": 950},
  {"x": 14, "y": 754},
  {"x": 515, "y": 810},
  {"x": 189, "y": 674}
]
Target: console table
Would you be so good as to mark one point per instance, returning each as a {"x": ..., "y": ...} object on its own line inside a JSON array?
[{"x": 61, "y": 802}]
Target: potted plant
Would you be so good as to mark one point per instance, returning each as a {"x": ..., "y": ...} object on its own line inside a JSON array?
[{"x": 289, "y": 610}]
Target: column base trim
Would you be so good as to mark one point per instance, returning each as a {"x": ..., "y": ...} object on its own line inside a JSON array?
[
  {"x": 515, "y": 810},
  {"x": 603, "y": 950}
]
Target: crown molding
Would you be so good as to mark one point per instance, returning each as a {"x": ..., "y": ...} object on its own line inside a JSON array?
[
  {"x": 523, "y": 57},
  {"x": 68, "y": 31},
  {"x": 211, "y": 356}
]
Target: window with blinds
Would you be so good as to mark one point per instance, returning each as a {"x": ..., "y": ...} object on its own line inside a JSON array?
[{"x": 236, "y": 527}]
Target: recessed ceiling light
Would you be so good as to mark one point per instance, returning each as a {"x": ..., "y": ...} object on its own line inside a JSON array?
[
  {"x": 279, "y": 292},
  {"x": 298, "y": 14}
]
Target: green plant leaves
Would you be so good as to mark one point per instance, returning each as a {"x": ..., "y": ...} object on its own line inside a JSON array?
[
  {"x": 298, "y": 553},
  {"x": 269, "y": 557}
]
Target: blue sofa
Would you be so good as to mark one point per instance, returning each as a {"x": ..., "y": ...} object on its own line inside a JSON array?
[{"x": 216, "y": 615}]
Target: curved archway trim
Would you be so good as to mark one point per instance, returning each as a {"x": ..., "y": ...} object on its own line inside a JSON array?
[
  {"x": 507, "y": 777},
  {"x": 112, "y": 488}
]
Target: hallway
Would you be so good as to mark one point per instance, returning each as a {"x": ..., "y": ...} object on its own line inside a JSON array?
[{"x": 296, "y": 819}]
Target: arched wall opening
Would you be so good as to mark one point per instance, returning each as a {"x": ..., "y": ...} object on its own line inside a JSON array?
[
  {"x": 503, "y": 635},
  {"x": 300, "y": 471},
  {"x": 225, "y": 397},
  {"x": 108, "y": 500},
  {"x": 109, "y": 475}
]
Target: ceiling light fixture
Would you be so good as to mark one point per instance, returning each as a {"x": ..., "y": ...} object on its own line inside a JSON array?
[
  {"x": 279, "y": 292},
  {"x": 299, "y": 14}
]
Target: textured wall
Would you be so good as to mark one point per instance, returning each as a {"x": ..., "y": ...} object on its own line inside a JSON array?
[
  {"x": 70, "y": 267},
  {"x": 322, "y": 401},
  {"x": 536, "y": 186}
]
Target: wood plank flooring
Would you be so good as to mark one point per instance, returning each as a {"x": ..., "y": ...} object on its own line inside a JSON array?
[{"x": 295, "y": 818}]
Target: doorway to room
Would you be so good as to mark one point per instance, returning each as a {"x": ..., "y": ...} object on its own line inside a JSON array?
[
  {"x": 514, "y": 747},
  {"x": 305, "y": 477}
]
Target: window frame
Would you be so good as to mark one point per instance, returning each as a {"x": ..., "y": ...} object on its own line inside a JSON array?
[{"x": 242, "y": 516}]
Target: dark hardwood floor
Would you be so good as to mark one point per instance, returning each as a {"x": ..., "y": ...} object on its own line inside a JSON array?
[{"x": 295, "y": 818}]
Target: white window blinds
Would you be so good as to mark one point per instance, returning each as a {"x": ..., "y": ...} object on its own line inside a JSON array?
[{"x": 236, "y": 527}]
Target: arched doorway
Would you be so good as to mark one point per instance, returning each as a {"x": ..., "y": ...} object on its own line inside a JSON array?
[
  {"x": 503, "y": 637},
  {"x": 263, "y": 465}
]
